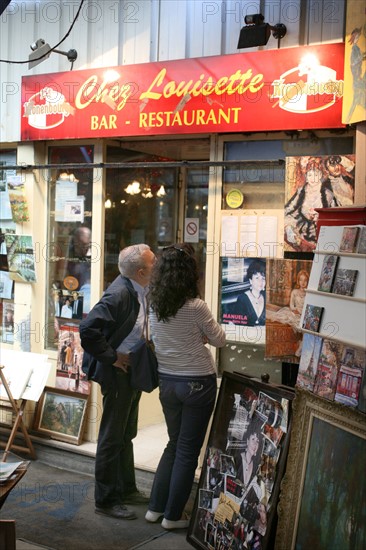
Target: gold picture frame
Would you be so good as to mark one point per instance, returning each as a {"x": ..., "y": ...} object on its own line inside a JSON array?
[
  {"x": 61, "y": 414},
  {"x": 322, "y": 499}
]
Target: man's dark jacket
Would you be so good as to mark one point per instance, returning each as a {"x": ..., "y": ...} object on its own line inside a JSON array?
[{"x": 106, "y": 326}]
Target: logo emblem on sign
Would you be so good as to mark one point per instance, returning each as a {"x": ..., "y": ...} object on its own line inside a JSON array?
[
  {"x": 47, "y": 109},
  {"x": 308, "y": 88}
]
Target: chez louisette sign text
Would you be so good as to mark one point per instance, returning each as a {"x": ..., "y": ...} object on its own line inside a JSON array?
[{"x": 293, "y": 88}]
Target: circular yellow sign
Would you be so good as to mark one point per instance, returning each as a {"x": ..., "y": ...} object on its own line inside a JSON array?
[{"x": 234, "y": 198}]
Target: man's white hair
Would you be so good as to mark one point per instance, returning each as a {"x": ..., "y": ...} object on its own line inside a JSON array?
[{"x": 130, "y": 259}]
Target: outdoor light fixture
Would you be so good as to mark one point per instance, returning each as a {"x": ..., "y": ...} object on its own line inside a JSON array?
[
  {"x": 42, "y": 51},
  {"x": 256, "y": 32}
]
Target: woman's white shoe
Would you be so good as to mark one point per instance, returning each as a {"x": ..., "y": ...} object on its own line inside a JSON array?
[
  {"x": 179, "y": 524},
  {"x": 152, "y": 517}
]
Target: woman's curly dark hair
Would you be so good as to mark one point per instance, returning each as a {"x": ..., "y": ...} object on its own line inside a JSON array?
[{"x": 174, "y": 280}]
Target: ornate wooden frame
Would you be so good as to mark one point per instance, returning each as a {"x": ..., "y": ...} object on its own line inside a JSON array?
[{"x": 337, "y": 458}]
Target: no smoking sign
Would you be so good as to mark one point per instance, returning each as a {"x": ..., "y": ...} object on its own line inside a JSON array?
[{"x": 191, "y": 230}]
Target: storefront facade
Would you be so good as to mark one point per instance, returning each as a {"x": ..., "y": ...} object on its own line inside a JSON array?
[{"x": 160, "y": 151}]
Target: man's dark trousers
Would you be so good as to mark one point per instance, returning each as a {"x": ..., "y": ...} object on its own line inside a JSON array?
[{"x": 114, "y": 463}]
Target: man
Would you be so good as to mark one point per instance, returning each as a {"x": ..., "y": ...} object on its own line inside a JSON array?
[
  {"x": 107, "y": 334},
  {"x": 77, "y": 306}
]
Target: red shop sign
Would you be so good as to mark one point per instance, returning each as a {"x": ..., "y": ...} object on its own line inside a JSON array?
[{"x": 285, "y": 89}]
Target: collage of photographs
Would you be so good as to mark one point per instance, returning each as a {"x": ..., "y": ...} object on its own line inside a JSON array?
[{"x": 241, "y": 472}]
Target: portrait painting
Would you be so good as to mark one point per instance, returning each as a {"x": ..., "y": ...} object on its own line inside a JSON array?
[
  {"x": 312, "y": 183},
  {"x": 286, "y": 284}
]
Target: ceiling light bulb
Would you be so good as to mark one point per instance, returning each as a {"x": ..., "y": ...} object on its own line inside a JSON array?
[
  {"x": 161, "y": 192},
  {"x": 108, "y": 203},
  {"x": 133, "y": 188}
]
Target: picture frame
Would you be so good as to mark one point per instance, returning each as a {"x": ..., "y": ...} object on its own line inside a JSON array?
[
  {"x": 349, "y": 239},
  {"x": 330, "y": 263},
  {"x": 361, "y": 244},
  {"x": 312, "y": 317},
  {"x": 345, "y": 282},
  {"x": 61, "y": 415},
  {"x": 326, "y": 436},
  {"x": 232, "y": 500}
]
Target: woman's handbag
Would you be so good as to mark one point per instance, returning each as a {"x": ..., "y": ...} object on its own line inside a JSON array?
[
  {"x": 143, "y": 370},
  {"x": 143, "y": 366}
]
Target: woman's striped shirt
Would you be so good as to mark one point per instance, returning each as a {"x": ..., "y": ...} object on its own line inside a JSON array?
[{"x": 180, "y": 342}]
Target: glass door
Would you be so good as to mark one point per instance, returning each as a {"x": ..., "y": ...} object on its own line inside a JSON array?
[{"x": 151, "y": 199}]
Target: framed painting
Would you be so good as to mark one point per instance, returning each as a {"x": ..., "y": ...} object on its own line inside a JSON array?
[
  {"x": 236, "y": 501},
  {"x": 61, "y": 415},
  {"x": 323, "y": 493}
]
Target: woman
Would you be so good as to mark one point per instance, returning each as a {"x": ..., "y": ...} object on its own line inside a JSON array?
[
  {"x": 250, "y": 459},
  {"x": 359, "y": 79},
  {"x": 300, "y": 213},
  {"x": 251, "y": 304},
  {"x": 261, "y": 523},
  {"x": 69, "y": 359},
  {"x": 66, "y": 310},
  {"x": 181, "y": 325}
]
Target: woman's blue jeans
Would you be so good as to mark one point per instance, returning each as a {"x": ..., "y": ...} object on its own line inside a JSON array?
[{"x": 187, "y": 404}]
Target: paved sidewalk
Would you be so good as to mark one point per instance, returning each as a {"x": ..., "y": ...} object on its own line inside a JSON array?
[{"x": 54, "y": 509}]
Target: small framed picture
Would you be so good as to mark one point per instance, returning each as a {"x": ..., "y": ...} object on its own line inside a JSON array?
[
  {"x": 345, "y": 282},
  {"x": 312, "y": 317},
  {"x": 328, "y": 271},
  {"x": 361, "y": 244},
  {"x": 61, "y": 415},
  {"x": 349, "y": 239}
]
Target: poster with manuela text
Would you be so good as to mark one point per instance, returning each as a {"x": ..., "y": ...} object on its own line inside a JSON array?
[{"x": 243, "y": 298}]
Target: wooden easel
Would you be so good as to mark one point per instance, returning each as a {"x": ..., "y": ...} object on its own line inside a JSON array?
[{"x": 18, "y": 411}]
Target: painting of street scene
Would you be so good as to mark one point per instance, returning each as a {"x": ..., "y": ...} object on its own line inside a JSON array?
[{"x": 61, "y": 415}]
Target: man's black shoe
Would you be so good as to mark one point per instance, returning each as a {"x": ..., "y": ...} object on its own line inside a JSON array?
[
  {"x": 117, "y": 511},
  {"x": 136, "y": 498}
]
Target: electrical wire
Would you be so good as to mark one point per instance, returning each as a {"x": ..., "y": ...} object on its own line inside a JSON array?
[{"x": 54, "y": 47}]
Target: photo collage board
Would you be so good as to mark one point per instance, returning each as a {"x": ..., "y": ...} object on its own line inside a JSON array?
[{"x": 244, "y": 462}]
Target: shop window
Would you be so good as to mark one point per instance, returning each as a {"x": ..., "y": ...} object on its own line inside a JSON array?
[
  {"x": 257, "y": 185},
  {"x": 7, "y": 226},
  {"x": 69, "y": 245}
]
